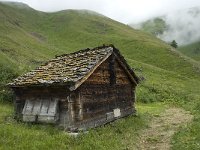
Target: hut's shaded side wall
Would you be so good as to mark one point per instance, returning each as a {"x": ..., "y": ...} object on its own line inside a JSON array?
[{"x": 99, "y": 96}]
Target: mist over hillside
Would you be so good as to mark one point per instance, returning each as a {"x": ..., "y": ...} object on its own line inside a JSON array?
[{"x": 180, "y": 25}]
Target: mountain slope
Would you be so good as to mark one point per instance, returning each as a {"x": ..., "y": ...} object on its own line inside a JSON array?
[
  {"x": 191, "y": 50},
  {"x": 29, "y": 37}
]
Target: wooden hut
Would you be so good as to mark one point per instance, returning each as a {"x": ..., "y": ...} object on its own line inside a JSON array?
[{"x": 80, "y": 90}]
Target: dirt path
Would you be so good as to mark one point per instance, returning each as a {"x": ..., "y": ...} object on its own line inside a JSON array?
[{"x": 161, "y": 129}]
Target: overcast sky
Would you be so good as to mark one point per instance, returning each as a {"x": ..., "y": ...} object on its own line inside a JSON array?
[{"x": 126, "y": 11}]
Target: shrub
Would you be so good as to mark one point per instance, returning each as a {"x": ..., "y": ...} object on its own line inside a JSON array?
[{"x": 6, "y": 75}]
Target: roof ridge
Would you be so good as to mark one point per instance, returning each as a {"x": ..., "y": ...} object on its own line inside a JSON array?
[{"x": 85, "y": 50}]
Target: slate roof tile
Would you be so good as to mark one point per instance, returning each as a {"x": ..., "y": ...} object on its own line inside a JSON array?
[{"x": 64, "y": 68}]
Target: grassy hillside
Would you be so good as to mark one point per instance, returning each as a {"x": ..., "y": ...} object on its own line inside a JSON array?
[
  {"x": 191, "y": 50},
  {"x": 28, "y": 38}
]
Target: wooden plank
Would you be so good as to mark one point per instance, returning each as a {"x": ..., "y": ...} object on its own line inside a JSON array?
[
  {"x": 37, "y": 107},
  {"x": 45, "y": 107},
  {"x": 53, "y": 107},
  {"x": 28, "y": 108},
  {"x": 29, "y": 118},
  {"x": 27, "y": 111}
]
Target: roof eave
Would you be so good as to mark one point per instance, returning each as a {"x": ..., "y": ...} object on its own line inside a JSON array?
[{"x": 67, "y": 84}]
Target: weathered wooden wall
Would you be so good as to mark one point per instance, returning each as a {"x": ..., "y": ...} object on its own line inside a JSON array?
[{"x": 108, "y": 88}]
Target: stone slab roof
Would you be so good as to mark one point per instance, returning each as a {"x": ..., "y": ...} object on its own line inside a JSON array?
[{"x": 68, "y": 69}]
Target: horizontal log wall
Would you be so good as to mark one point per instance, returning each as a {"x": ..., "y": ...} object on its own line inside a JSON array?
[
  {"x": 99, "y": 120},
  {"x": 121, "y": 76},
  {"x": 42, "y": 91},
  {"x": 100, "y": 75},
  {"x": 99, "y": 96},
  {"x": 100, "y": 99},
  {"x": 94, "y": 99}
]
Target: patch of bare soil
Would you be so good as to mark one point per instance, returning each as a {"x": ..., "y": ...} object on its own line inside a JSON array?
[{"x": 161, "y": 129}]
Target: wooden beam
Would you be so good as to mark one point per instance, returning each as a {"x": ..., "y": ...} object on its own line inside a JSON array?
[{"x": 112, "y": 70}]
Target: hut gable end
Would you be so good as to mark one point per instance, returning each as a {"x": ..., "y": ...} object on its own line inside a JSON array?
[
  {"x": 107, "y": 89},
  {"x": 109, "y": 73}
]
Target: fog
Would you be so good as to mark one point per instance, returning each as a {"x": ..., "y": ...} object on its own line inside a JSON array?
[{"x": 183, "y": 26}]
